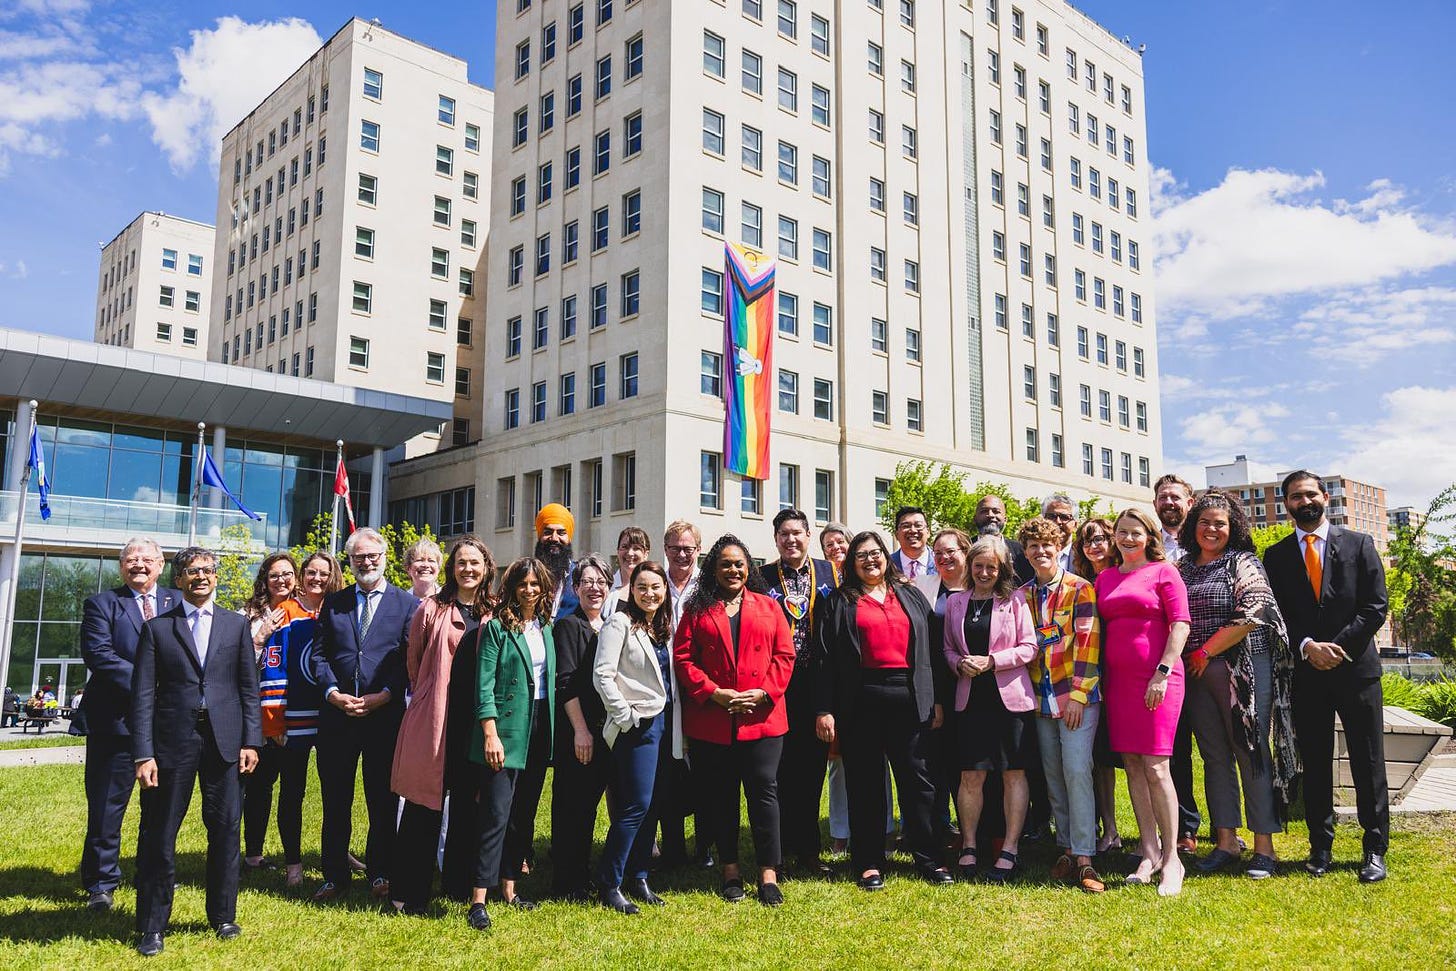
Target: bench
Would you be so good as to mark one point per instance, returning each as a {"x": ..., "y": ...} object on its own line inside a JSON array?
[
  {"x": 1412, "y": 744},
  {"x": 38, "y": 722}
]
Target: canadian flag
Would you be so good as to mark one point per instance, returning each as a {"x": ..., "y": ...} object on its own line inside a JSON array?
[{"x": 341, "y": 489}]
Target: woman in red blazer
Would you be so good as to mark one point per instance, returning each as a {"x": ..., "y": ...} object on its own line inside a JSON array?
[{"x": 734, "y": 656}]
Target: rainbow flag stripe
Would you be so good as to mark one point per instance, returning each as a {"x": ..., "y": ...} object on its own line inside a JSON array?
[{"x": 748, "y": 329}]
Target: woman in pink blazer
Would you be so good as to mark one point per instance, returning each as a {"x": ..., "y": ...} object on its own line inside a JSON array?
[
  {"x": 430, "y": 757},
  {"x": 989, "y": 640}
]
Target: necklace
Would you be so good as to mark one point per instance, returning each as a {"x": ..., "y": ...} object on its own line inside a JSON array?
[{"x": 979, "y": 607}]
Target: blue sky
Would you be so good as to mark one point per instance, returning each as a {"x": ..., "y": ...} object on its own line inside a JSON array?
[{"x": 1304, "y": 199}]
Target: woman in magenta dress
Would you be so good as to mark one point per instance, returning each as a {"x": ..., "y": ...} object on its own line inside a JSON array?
[{"x": 1144, "y": 610}]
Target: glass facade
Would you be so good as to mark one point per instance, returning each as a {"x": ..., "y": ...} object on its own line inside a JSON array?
[{"x": 46, "y": 644}]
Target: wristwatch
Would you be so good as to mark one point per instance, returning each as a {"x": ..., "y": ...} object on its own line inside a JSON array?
[{"x": 1164, "y": 670}]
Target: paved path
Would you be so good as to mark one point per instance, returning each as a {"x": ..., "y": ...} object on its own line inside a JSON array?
[
  {"x": 48, "y": 755},
  {"x": 1434, "y": 792}
]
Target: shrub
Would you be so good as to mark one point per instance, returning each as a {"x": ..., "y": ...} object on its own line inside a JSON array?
[
  {"x": 1438, "y": 702},
  {"x": 1401, "y": 692}
]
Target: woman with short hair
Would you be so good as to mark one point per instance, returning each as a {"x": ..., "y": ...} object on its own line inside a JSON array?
[{"x": 422, "y": 561}]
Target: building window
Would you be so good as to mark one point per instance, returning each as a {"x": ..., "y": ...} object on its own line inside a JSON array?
[
  {"x": 358, "y": 352},
  {"x": 634, "y": 58},
  {"x": 788, "y": 238},
  {"x": 632, "y": 213},
  {"x": 598, "y": 306},
  {"x": 788, "y": 163},
  {"x": 788, "y": 313},
  {"x": 373, "y": 84},
  {"x": 624, "y": 481},
  {"x": 712, "y": 210},
  {"x": 467, "y": 282},
  {"x": 819, "y": 105},
  {"x": 601, "y": 228},
  {"x": 823, "y": 247},
  {"x": 710, "y": 480},
  {"x": 168, "y": 297},
  {"x": 445, "y": 114},
  {"x": 437, "y": 315},
  {"x": 912, "y": 414},
  {"x": 513, "y": 337},
  {"x": 363, "y": 297},
  {"x": 632, "y": 134},
  {"x": 750, "y": 493},
  {"x": 710, "y": 379},
  {"x": 712, "y": 292},
  {"x": 598, "y": 385},
  {"x": 435, "y": 368},
  {"x": 823, "y": 495},
  {"x": 540, "y": 328},
  {"x": 823, "y": 399},
  {"x": 713, "y": 54},
  {"x": 602, "y": 152},
  {"x": 819, "y": 180},
  {"x": 631, "y": 293},
  {"x": 788, "y": 392},
  {"x": 369, "y": 135},
  {"x": 470, "y": 185},
  {"x": 566, "y": 398},
  {"x": 752, "y": 72},
  {"x": 568, "y": 316},
  {"x": 712, "y": 132},
  {"x": 912, "y": 276}
]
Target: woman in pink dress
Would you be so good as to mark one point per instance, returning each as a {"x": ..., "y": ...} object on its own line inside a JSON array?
[{"x": 1144, "y": 610}]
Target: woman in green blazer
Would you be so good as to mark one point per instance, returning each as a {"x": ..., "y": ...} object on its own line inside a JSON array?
[{"x": 515, "y": 707}]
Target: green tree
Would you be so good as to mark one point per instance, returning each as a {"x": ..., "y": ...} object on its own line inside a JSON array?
[
  {"x": 942, "y": 492},
  {"x": 1266, "y": 536},
  {"x": 237, "y": 562},
  {"x": 1422, "y": 581},
  {"x": 397, "y": 539}
]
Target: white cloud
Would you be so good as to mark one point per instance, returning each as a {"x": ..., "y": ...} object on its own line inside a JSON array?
[
  {"x": 1231, "y": 428},
  {"x": 1407, "y": 449},
  {"x": 1361, "y": 327},
  {"x": 1262, "y": 235},
  {"x": 224, "y": 74}
]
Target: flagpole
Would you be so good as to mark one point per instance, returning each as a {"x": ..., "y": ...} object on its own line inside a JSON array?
[
  {"x": 10, "y": 571},
  {"x": 334, "y": 519},
  {"x": 196, "y": 484}
]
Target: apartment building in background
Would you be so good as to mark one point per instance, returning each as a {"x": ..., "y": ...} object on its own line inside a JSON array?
[
  {"x": 354, "y": 206},
  {"x": 1358, "y": 505},
  {"x": 956, "y": 195},
  {"x": 1406, "y": 517},
  {"x": 154, "y": 287}
]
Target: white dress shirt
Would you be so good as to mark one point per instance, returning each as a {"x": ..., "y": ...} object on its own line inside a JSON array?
[
  {"x": 142, "y": 598},
  {"x": 1321, "y": 534},
  {"x": 926, "y": 561},
  {"x": 537, "y": 643},
  {"x": 1171, "y": 547},
  {"x": 199, "y": 620}
]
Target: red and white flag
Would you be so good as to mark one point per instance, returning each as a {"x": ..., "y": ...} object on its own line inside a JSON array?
[{"x": 341, "y": 489}]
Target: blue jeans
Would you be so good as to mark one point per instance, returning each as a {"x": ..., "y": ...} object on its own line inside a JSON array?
[
  {"x": 1066, "y": 758},
  {"x": 634, "y": 773}
]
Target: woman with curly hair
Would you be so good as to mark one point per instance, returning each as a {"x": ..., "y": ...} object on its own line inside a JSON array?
[
  {"x": 1242, "y": 673},
  {"x": 733, "y": 656}
]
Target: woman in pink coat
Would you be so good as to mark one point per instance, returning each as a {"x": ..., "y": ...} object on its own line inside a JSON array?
[
  {"x": 430, "y": 758},
  {"x": 989, "y": 640}
]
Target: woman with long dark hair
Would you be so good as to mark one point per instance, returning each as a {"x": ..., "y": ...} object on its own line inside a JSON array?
[
  {"x": 733, "y": 655},
  {"x": 430, "y": 758},
  {"x": 515, "y": 712}
]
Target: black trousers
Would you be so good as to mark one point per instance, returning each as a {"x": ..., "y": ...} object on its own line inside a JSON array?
[
  {"x": 1039, "y": 806},
  {"x": 1360, "y": 706},
  {"x": 720, "y": 772},
  {"x": 110, "y": 778},
  {"x": 286, "y": 766},
  {"x": 886, "y": 726},
  {"x": 507, "y": 806},
  {"x": 1181, "y": 767},
  {"x": 801, "y": 773},
  {"x": 163, "y": 810},
  {"x": 343, "y": 743},
  {"x": 576, "y": 795}
]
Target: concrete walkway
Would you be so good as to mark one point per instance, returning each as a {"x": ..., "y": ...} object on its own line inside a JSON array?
[{"x": 1434, "y": 792}]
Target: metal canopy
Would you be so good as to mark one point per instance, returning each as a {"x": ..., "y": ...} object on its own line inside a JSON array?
[{"x": 121, "y": 381}]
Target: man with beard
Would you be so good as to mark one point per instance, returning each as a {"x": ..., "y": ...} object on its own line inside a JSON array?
[
  {"x": 1172, "y": 498},
  {"x": 990, "y": 520},
  {"x": 1330, "y": 586},
  {"x": 555, "y": 525},
  {"x": 800, "y": 585},
  {"x": 359, "y": 662}
]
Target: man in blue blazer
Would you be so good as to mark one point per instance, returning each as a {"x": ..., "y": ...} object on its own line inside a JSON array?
[
  {"x": 358, "y": 660},
  {"x": 111, "y": 625},
  {"x": 194, "y": 718}
]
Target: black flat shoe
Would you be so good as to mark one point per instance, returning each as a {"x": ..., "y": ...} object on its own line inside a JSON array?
[
  {"x": 1319, "y": 863},
  {"x": 229, "y": 930},
  {"x": 871, "y": 882},
  {"x": 732, "y": 890},
  {"x": 100, "y": 901},
  {"x": 149, "y": 945},
  {"x": 478, "y": 918},
  {"x": 966, "y": 863},
  {"x": 1003, "y": 874},
  {"x": 770, "y": 895},
  {"x": 612, "y": 899},
  {"x": 1216, "y": 861},
  {"x": 1373, "y": 869},
  {"x": 638, "y": 889},
  {"x": 936, "y": 876}
]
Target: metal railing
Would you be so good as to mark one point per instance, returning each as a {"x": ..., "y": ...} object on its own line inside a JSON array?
[{"x": 81, "y": 518}]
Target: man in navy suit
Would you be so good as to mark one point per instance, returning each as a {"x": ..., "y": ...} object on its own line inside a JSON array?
[
  {"x": 111, "y": 624},
  {"x": 358, "y": 661},
  {"x": 194, "y": 718},
  {"x": 1330, "y": 585}
]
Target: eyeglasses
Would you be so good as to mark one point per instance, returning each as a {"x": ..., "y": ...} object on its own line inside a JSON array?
[
  {"x": 868, "y": 556},
  {"x": 1094, "y": 540},
  {"x": 594, "y": 582},
  {"x": 316, "y": 574},
  {"x": 947, "y": 554},
  {"x": 199, "y": 571},
  {"x": 367, "y": 557},
  {"x": 280, "y": 576},
  {"x": 1061, "y": 517},
  {"x": 681, "y": 550}
]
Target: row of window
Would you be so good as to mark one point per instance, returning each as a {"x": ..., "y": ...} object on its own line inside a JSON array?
[
  {"x": 624, "y": 489},
  {"x": 287, "y": 178},
  {"x": 1054, "y": 337},
  {"x": 630, "y": 300},
  {"x": 119, "y": 268},
  {"x": 627, "y": 387},
  {"x": 434, "y": 362},
  {"x": 599, "y": 229},
  {"x": 750, "y": 491},
  {"x": 291, "y": 318},
  {"x": 1048, "y": 219},
  {"x": 1122, "y": 299},
  {"x": 308, "y": 258},
  {"x": 189, "y": 334},
  {"x": 252, "y": 247},
  {"x": 277, "y": 138},
  {"x": 444, "y": 108},
  {"x": 571, "y": 165},
  {"x": 715, "y": 52},
  {"x": 191, "y": 299}
]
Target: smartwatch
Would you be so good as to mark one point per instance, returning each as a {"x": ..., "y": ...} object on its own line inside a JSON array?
[{"x": 1164, "y": 670}]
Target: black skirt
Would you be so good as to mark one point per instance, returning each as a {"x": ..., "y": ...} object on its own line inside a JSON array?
[{"x": 988, "y": 737}]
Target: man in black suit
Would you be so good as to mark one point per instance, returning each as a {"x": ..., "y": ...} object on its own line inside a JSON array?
[
  {"x": 1330, "y": 584},
  {"x": 194, "y": 718},
  {"x": 111, "y": 624},
  {"x": 358, "y": 660}
]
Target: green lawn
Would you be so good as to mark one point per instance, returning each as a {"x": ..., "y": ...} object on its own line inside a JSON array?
[
  {"x": 1225, "y": 921},
  {"x": 48, "y": 740}
]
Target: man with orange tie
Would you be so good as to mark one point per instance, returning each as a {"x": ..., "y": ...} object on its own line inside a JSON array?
[{"x": 1330, "y": 585}]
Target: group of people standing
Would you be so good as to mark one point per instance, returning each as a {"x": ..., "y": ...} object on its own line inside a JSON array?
[{"x": 1001, "y": 676}]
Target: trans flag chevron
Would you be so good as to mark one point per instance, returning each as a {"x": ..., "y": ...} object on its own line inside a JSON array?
[{"x": 748, "y": 329}]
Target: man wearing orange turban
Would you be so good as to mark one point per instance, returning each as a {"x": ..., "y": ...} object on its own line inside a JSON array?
[{"x": 555, "y": 527}]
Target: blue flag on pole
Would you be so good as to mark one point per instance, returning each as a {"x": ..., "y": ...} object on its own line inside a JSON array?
[
  {"x": 212, "y": 477},
  {"x": 42, "y": 481}
]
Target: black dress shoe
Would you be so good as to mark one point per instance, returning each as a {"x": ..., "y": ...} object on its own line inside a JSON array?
[
  {"x": 1319, "y": 863},
  {"x": 478, "y": 918},
  {"x": 228, "y": 930},
  {"x": 99, "y": 901},
  {"x": 1373, "y": 869},
  {"x": 936, "y": 876},
  {"x": 611, "y": 898},
  {"x": 637, "y": 889},
  {"x": 732, "y": 890},
  {"x": 874, "y": 881},
  {"x": 149, "y": 945},
  {"x": 770, "y": 895}
]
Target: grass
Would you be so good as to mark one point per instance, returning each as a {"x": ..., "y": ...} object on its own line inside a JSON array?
[
  {"x": 1223, "y": 921},
  {"x": 48, "y": 740}
]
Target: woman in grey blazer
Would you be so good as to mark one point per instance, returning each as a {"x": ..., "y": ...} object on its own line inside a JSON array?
[{"x": 633, "y": 675}]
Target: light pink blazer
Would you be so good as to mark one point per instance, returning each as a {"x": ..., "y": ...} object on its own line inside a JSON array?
[{"x": 1013, "y": 645}]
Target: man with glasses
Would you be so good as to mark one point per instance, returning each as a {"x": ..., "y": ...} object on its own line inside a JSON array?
[
  {"x": 359, "y": 662},
  {"x": 1059, "y": 508},
  {"x": 111, "y": 625},
  {"x": 681, "y": 543},
  {"x": 194, "y": 719},
  {"x": 912, "y": 532}
]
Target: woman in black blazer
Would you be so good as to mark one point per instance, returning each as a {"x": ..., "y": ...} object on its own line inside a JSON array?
[{"x": 875, "y": 690}]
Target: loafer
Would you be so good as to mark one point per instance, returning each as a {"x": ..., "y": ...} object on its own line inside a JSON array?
[
  {"x": 770, "y": 895},
  {"x": 638, "y": 889},
  {"x": 1188, "y": 844},
  {"x": 379, "y": 888},
  {"x": 871, "y": 882},
  {"x": 1217, "y": 860},
  {"x": 1372, "y": 870},
  {"x": 1319, "y": 863},
  {"x": 149, "y": 945},
  {"x": 228, "y": 930},
  {"x": 1090, "y": 880},
  {"x": 1063, "y": 869},
  {"x": 99, "y": 901},
  {"x": 732, "y": 890},
  {"x": 327, "y": 891},
  {"x": 479, "y": 918},
  {"x": 1261, "y": 867},
  {"x": 612, "y": 899}
]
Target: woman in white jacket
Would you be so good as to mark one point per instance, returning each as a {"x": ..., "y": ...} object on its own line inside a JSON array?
[{"x": 633, "y": 675}]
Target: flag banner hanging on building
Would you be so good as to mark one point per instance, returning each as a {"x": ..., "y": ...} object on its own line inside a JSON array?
[
  {"x": 748, "y": 330},
  {"x": 42, "y": 481},
  {"x": 341, "y": 489},
  {"x": 212, "y": 477}
]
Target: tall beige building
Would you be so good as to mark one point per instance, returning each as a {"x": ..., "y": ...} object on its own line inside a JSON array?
[
  {"x": 956, "y": 195},
  {"x": 154, "y": 288},
  {"x": 354, "y": 207}
]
